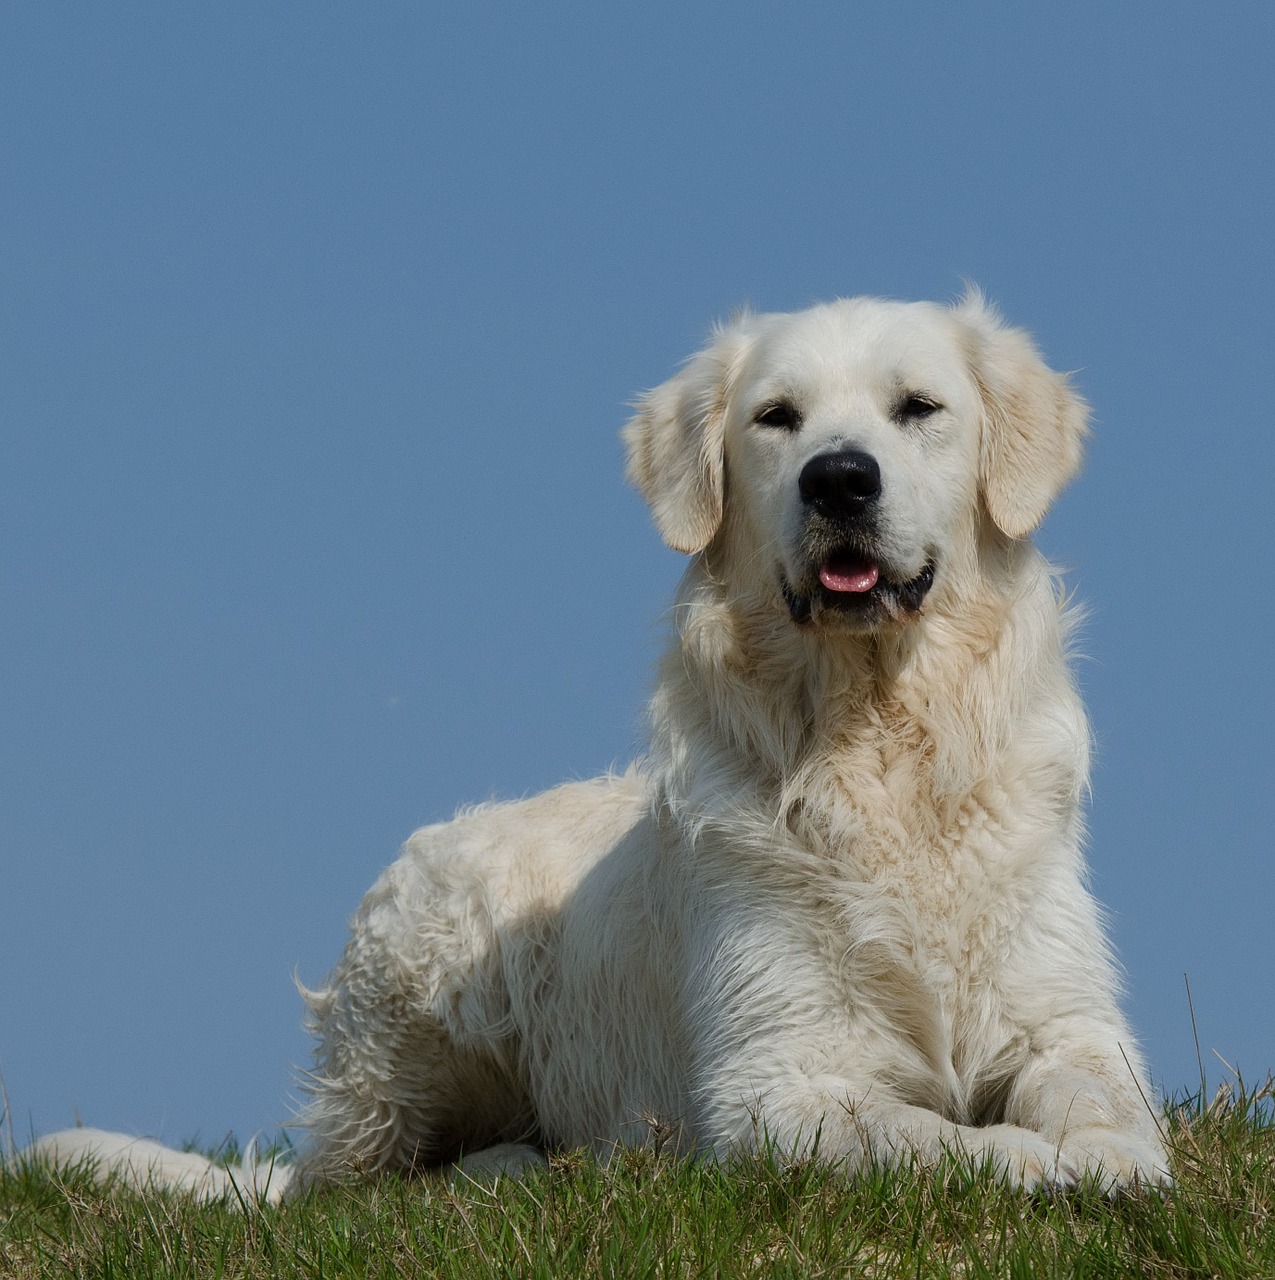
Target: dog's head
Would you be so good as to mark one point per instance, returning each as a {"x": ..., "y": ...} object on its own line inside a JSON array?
[{"x": 847, "y": 455}]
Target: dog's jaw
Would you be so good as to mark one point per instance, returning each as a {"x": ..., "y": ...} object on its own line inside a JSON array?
[{"x": 888, "y": 601}]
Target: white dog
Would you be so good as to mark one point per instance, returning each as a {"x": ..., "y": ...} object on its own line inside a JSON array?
[{"x": 840, "y": 909}]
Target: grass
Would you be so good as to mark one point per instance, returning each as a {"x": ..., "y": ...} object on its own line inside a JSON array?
[{"x": 651, "y": 1215}]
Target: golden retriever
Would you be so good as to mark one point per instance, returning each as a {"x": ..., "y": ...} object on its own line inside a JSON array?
[{"x": 839, "y": 910}]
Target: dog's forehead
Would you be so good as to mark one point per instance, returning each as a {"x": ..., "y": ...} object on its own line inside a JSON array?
[{"x": 856, "y": 345}]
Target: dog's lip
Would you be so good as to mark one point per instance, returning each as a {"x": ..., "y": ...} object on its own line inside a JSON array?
[{"x": 856, "y": 593}]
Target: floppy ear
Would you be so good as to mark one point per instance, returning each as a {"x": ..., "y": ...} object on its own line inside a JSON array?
[
  {"x": 1034, "y": 423},
  {"x": 675, "y": 445}
]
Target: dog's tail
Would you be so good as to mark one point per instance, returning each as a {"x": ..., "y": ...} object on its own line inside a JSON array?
[{"x": 143, "y": 1165}]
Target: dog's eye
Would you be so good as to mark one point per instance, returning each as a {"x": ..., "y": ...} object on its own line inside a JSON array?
[
  {"x": 915, "y": 407},
  {"x": 781, "y": 414}
]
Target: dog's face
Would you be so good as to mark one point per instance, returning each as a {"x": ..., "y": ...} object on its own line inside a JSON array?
[
  {"x": 851, "y": 443},
  {"x": 845, "y": 455}
]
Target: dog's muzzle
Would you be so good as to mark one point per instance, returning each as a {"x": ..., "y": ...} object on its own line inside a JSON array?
[{"x": 841, "y": 494}]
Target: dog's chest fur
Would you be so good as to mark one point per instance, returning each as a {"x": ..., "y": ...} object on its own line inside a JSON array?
[
  {"x": 928, "y": 886},
  {"x": 900, "y": 803}
]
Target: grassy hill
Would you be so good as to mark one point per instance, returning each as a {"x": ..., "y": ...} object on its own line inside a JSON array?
[{"x": 648, "y": 1215}]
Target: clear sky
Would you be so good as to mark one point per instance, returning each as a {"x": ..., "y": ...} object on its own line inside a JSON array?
[{"x": 318, "y": 325}]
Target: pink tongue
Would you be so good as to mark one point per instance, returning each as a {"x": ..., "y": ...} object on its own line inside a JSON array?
[{"x": 848, "y": 575}]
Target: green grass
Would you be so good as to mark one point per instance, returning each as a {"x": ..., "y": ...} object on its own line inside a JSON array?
[{"x": 650, "y": 1215}]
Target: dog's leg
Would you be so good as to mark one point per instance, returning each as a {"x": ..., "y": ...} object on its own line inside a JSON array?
[
  {"x": 832, "y": 1120},
  {"x": 1087, "y": 1096}
]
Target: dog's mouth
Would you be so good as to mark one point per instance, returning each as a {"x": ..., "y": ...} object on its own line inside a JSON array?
[
  {"x": 858, "y": 588},
  {"x": 849, "y": 575}
]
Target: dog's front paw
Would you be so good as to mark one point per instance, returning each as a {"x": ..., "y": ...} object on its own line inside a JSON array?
[
  {"x": 1114, "y": 1160},
  {"x": 1023, "y": 1158}
]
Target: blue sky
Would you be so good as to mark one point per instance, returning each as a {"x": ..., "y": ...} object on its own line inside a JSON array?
[{"x": 318, "y": 328}]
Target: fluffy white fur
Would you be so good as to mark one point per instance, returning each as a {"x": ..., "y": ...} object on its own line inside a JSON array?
[
  {"x": 840, "y": 908},
  {"x": 140, "y": 1164}
]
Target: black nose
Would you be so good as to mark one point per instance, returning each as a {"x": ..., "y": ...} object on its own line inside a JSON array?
[{"x": 840, "y": 484}]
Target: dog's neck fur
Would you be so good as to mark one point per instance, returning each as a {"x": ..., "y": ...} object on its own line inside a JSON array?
[{"x": 802, "y": 721}]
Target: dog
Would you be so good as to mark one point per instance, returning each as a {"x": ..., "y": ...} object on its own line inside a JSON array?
[{"x": 839, "y": 911}]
